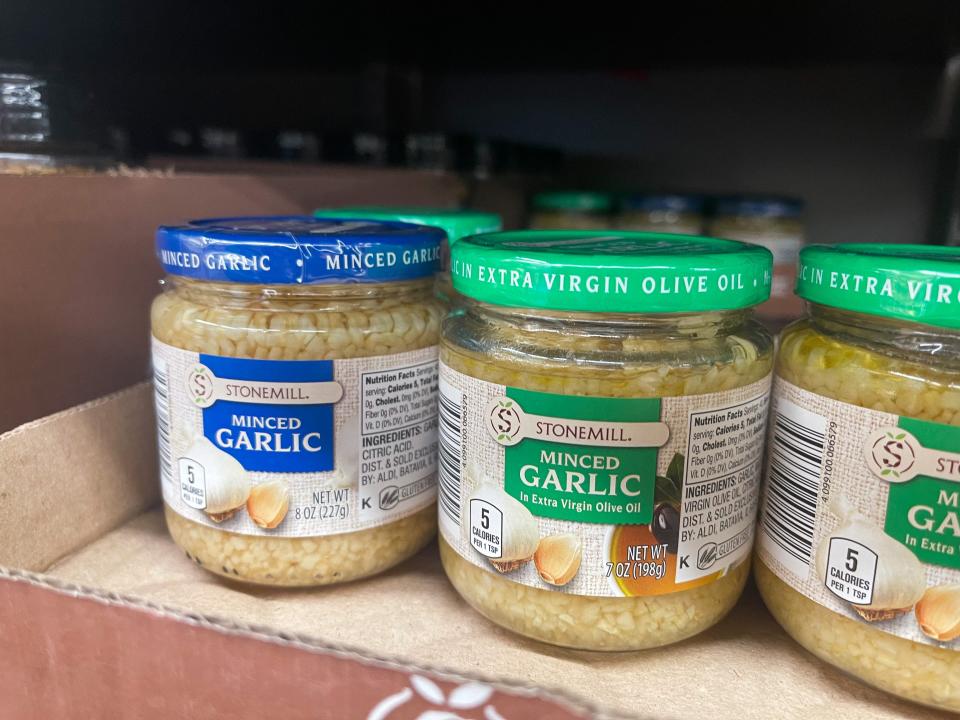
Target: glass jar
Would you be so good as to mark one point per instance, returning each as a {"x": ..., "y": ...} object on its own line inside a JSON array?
[
  {"x": 573, "y": 494},
  {"x": 571, "y": 210},
  {"x": 776, "y": 224},
  {"x": 858, "y": 550},
  {"x": 456, "y": 224},
  {"x": 681, "y": 214},
  {"x": 45, "y": 125},
  {"x": 296, "y": 388}
]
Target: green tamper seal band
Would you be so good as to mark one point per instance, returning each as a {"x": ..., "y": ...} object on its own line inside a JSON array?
[
  {"x": 611, "y": 272},
  {"x": 919, "y": 283}
]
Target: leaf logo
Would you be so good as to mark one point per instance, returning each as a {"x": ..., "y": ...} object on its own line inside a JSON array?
[
  {"x": 200, "y": 386},
  {"x": 891, "y": 454},
  {"x": 505, "y": 421}
]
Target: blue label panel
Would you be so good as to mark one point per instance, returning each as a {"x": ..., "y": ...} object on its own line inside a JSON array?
[{"x": 272, "y": 437}]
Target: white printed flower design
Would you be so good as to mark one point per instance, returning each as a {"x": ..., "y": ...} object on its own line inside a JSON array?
[{"x": 468, "y": 696}]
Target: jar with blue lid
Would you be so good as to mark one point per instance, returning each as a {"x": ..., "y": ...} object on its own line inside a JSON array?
[
  {"x": 661, "y": 212},
  {"x": 295, "y": 368}
]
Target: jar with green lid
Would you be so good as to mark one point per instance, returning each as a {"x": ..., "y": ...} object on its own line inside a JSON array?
[
  {"x": 455, "y": 223},
  {"x": 295, "y": 366},
  {"x": 660, "y": 212},
  {"x": 571, "y": 210},
  {"x": 859, "y": 543},
  {"x": 602, "y": 408}
]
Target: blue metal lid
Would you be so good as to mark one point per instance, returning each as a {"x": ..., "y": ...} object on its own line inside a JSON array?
[
  {"x": 299, "y": 250},
  {"x": 663, "y": 202},
  {"x": 759, "y": 206}
]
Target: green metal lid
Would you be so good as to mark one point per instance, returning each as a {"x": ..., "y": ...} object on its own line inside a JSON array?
[
  {"x": 456, "y": 224},
  {"x": 574, "y": 201},
  {"x": 920, "y": 283},
  {"x": 611, "y": 272}
]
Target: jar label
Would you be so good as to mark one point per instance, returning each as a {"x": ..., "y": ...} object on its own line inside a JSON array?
[
  {"x": 599, "y": 496},
  {"x": 861, "y": 514},
  {"x": 296, "y": 448}
]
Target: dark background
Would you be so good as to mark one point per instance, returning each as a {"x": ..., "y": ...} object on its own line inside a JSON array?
[{"x": 844, "y": 104}]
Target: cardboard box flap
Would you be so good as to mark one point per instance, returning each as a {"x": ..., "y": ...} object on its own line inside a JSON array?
[
  {"x": 745, "y": 668},
  {"x": 69, "y": 478},
  {"x": 117, "y": 657}
]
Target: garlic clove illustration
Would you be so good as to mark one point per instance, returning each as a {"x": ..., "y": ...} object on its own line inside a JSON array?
[
  {"x": 938, "y": 612},
  {"x": 268, "y": 503},
  {"x": 226, "y": 483},
  {"x": 558, "y": 558},
  {"x": 900, "y": 579},
  {"x": 521, "y": 532}
]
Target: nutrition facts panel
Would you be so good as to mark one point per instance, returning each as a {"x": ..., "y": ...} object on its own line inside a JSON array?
[
  {"x": 398, "y": 440},
  {"x": 724, "y": 452}
]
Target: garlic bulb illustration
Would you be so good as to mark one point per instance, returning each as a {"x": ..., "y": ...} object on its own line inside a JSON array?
[
  {"x": 900, "y": 579},
  {"x": 268, "y": 503},
  {"x": 558, "y": 558},
  {"x": 938, "y": 612},
  {"x": 226, "y": 482},
  {"x": 521, "y": 533}
]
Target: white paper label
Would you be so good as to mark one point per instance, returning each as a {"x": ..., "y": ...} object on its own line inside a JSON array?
[{"x": 352, "y": 443}]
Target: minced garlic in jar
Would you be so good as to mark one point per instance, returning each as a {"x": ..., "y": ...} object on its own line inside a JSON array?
[
  {"x": 859, "y": 544},
  {"x": 296, "y": 387},
  {"x": 602, "y": 407}
]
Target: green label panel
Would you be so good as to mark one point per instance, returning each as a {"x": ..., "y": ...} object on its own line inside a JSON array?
[
  {"x": 580, "y": 483},
  {"x": 924, "y": 513}
]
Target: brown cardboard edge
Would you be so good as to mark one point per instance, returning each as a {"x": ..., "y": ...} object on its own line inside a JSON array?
[
  {"x": 68, "y": 478},
  {"x": 75, "y": 410},
  {"x": 564, "y": 706}
]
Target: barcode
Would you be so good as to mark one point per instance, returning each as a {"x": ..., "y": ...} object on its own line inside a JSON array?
[
  {"x": 161, "y": 393},
  {"x": 451, "y": 450},
  {"x": 793, "y": 484}
]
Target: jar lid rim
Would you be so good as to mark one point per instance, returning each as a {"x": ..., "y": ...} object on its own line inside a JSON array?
[
  {"x": 574, "y": 200},
  {"x": 456, "y": 223},
  {"x": 295, "y": 249},
  {"x": 611, "y": 271},
  {"x": 662, "y": 201},
  {"x": 916, "y": 283},
  {"x": 758, "y": 206}
]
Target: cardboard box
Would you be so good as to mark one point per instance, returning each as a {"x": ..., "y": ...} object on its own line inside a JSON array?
[
  {"x": 104, "y": 617},
  {"x": 101, "y": 615}
]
